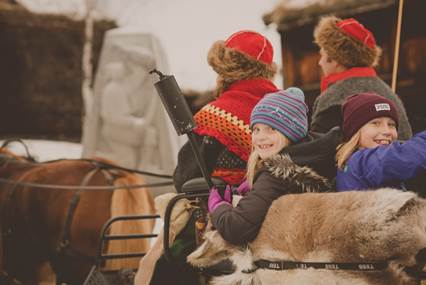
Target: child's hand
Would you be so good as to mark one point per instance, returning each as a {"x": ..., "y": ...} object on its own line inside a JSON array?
[
  {"x": 215, "y": 200},
  {"x": 243, "y": 188}
]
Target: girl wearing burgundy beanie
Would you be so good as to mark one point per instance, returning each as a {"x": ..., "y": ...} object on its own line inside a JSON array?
[{"x": 371, "y": 157}]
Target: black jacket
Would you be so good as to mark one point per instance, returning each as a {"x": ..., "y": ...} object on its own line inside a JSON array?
[
  {"x": 214, "y": 154},
  {"x": 278, "y": 176},
  {"x": 316, "y": 151}
]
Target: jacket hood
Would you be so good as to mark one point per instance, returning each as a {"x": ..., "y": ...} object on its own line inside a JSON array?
[{"x": 301, "y": 179}]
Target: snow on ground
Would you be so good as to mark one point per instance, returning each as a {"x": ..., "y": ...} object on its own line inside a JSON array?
[{"x": 44, "y": 150}]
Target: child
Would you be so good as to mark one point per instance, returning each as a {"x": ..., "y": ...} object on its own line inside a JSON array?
[
  {"x": 278, "y": 120},
  {"x": 371, "y": 158},
  {"x": 348, "y": 55},
  {"x": 244, "y": 66}
]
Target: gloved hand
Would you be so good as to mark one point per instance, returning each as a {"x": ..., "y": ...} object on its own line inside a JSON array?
[
  {"x": 243, "y": 188},
  {"x": 215, "y": 200}
]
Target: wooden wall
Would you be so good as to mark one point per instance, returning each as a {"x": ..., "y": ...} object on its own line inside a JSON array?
[
  {"x": 40, "y": 73},
  {"x": 300, "y": 56}
]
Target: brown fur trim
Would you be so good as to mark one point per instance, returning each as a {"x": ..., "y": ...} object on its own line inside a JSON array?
[
  {"x": 301, "y": 179},
  {"x": 232, "y": 66},
  {"x": 343, "y": 48}
]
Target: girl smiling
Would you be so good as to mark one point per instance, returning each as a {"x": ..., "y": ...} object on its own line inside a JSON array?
[
  {"x": 371, "y": 157},
  {"x": 278, "y": 120}
]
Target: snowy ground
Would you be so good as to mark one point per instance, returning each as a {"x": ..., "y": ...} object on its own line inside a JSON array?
[{"x": 44, "y": 150}]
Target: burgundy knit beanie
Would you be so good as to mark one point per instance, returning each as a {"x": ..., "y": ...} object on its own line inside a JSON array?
[{"x": 359, "y": 109}]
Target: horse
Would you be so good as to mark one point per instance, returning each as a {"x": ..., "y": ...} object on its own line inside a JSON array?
[
  {"x": 359, "y": 237},
  {"x": 43, "y": 224}
]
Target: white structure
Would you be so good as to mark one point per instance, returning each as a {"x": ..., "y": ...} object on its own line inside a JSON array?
[{"x": 128, "y": 123}]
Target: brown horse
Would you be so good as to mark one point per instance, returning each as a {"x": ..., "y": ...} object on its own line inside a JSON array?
[{"x": 32, "y": 219}]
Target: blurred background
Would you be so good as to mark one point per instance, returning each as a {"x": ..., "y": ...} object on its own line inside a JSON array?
[{"x": 55, "y": 58}]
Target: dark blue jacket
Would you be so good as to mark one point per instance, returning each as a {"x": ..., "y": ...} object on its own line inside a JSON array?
[{"x": 384, "y": 166}]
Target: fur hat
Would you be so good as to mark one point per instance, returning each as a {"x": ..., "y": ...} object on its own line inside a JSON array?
[
  {"x": 244, "y": 55},
  {"x": 359, "y": 109},
  {"x": 347, "y": 41},
  {"x": 284, "y": 111}
]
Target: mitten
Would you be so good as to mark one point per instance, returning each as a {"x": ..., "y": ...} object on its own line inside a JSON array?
[
  {"x": 243, "y": 188},
  {"x": 215, "y": 200}
]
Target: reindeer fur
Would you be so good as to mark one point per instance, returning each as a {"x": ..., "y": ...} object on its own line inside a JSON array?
[{"x": 359, "y": 226}]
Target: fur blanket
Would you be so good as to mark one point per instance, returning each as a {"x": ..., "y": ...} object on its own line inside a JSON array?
[
  {"x": 364, "y": 226},
  {"x": 179, "y": 217}
]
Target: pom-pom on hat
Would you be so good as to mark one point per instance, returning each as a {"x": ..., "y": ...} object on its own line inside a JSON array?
[
  {"x": 347, "y": 41},
  {"x": 359, "y": 109},
  {"x": 284, "y": 111}
]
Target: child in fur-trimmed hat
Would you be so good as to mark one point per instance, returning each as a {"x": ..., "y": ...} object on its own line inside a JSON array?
[
  {"x": 244, "y": 55},
  {"x": 348, "y": 55},
  {"x": 244, "y": 66},
  {"x": 371, "y": 157}
]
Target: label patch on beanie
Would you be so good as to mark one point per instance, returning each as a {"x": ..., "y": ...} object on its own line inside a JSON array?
[{"x": 382, "y": 107}]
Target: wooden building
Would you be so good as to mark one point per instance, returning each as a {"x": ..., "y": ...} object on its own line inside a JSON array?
[
  {"x": 41, "y": 74},
  {"x": 300, "y": 55}
]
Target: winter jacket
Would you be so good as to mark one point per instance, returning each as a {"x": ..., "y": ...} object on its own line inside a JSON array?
[
  {"x": 277, "y": 176},
  {"x": 384, "y": 165},
  {"x": 223, "y": 133},
  {"x": 316, "y": 151},
  {"x": 327, "y": 107},
  {"x": 215, "y": 155}
]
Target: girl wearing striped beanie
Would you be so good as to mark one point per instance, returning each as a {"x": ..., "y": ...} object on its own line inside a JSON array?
[{"x": 278, "y": 120}]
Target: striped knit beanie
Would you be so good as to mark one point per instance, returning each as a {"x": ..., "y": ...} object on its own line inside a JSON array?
[{"x": 285, "y": 111}]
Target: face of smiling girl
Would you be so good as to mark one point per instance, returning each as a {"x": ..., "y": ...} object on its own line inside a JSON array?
[
  {"x": 267, "y": 141},
  {"x": 379, "y": 131}
]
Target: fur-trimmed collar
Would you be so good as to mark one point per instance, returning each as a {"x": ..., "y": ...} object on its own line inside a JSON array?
[{"x": 301, "y": 179}]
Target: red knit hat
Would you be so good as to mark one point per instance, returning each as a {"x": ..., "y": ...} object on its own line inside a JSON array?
[
  {"x": 347, "y": 41},
  {"x": 252, "y": 44},
  {"x": 244, "y": 55},
  {"x": 359, "y": 109},
  {"x": 356, "y": 30}
]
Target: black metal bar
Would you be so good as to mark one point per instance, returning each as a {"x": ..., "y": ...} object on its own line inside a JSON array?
[
  {"x": 199, "y": 159},
  {"x": 129, "y": 236},
  {"x": 99, "y": 256},
  {"x": 122, "y": 255},
  {"x": 167, "y": 216}
]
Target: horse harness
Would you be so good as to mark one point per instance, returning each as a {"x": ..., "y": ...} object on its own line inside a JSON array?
[
  {"x": 289, "y": 265},
  {"x": 7, "y": 212},
  {"x": 64, "y": 248}
]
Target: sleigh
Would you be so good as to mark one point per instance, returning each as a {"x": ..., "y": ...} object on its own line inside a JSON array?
[
  {"x": 368, "y": 237},
  {"x": 98, "y": 275}
]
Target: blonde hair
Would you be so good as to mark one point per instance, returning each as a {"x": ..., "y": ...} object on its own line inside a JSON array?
[
  {"x": 345, "y": 150},
  {"x": 255, "y": 162}
]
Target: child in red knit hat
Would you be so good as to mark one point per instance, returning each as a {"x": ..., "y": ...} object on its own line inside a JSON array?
[
  {"x": 244, "y": 67},
  {"x": 371, "y": 157}
]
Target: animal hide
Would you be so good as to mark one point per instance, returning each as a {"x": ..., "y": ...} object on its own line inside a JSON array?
[
  {"x": 180, "y": 215},
  {"x": 362, "y": 226}
]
